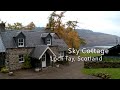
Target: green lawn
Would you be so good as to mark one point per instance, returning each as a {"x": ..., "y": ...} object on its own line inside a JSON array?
[
  {"x": 114, "y": 72},
  {"x": 89, "y": 54}
]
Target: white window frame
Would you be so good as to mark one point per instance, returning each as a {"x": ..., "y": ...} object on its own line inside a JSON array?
[
  {"x": 21, "y": 61},
  {"x": 49, "y": 41},
  {"x": 62, "y": 53},
  {"x": 20, "y": 42}
]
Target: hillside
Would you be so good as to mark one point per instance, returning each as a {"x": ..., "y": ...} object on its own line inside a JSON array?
[
  {"x": 97, "y": 38},
  {"x": 94, "y": 38}
]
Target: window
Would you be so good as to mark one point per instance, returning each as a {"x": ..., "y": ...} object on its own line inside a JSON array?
[
  {"x": 20, "y": 42},
  {"x": 62, "y": 53},
  {"x": 21, "y": 58},
  {"x": 48, "y": 41}
]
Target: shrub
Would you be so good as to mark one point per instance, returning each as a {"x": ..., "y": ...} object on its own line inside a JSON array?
[
  {"x": 63, "y": 62},
  {"x": 102, "y": 75},
  {"x": 101, "y": 64},
  {"x": 27, "y": 63},
  {"x": 4, "y": 70}
]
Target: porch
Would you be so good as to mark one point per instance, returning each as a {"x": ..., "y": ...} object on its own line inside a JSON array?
[{"x": 42, "y": 57}]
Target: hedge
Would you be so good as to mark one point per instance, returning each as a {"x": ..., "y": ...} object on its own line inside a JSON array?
[{"x": 101, "y": 64}]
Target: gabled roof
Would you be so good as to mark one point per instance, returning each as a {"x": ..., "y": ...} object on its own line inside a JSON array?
[
  {"x": 39, "y": 51},
  {"x": 33, "y": 38},
  {"x": 18, "y": 33},
  {"x": 43, "y": 35}
]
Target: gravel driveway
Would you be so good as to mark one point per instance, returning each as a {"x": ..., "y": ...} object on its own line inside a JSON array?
[{"x": 71, "y": 71}]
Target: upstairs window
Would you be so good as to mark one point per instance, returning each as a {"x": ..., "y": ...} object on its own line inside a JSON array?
[
  {"x": 21, "y": 58},
  {"x": 20, "y": 42},
  {"x": 48, "y": 41}
]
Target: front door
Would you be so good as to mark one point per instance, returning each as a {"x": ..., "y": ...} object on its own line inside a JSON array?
[{"x": 44, "y": 60}]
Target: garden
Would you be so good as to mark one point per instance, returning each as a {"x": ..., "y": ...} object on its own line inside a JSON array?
[{"x": 108, "y": 68}]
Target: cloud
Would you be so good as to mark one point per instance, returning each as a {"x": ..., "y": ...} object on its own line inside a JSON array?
[{"x": 99, "y": 21}]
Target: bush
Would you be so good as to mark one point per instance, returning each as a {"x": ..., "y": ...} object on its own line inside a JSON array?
[
  {"x": 103, "y": 75},
  {"x": 63, "y": 62},
  {"x": 101, "y": 64},
  {"x": 4, "y": 70},
  {"x": 27, "y": 63},
  {"x": 111, "y": 58}
]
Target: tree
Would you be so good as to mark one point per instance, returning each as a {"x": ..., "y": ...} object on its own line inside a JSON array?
[
  {"x": 15, "y": 26},
  {"x": 19, "y": 26},
  {"x": 30, "y": 26},
  {"x": 72, "y": 24},
  {"x": 65, "y": 31}
]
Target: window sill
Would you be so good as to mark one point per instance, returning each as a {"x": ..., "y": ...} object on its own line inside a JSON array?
[
  {"x": 21, "y": 61},
  {"x": 20, "y": 46}
]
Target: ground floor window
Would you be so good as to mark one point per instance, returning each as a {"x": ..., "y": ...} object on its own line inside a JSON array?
[
  {"x": 21, "y": 58},
  {"x": 62, "y": 53}
]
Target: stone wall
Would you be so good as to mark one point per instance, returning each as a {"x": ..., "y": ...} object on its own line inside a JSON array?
[{"x": 12, "y": 57}]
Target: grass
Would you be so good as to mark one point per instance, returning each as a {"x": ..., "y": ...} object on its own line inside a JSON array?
[
  {"x": 108, "y": 59},
  {"x": 89, "y": 54},
  {"x": 113, "y": 72}
]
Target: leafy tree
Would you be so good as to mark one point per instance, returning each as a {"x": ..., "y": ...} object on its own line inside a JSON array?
[
  {"x": 19, "y": 26},
  {"x": 30, "y": 26},
  {"x": 65, "y": 31},
  {"x": 15, "y": 26}
]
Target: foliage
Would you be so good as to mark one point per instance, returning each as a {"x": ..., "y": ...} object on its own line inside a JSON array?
[
  {"x": 4, "y": 70},
  {"x": 89, "y": 54},
  {"x": 114, "y": 73},
  {"x": 16, "y": 26},
  {"x": 27, "y": 63},
  {"x": 111, "y": 58},
  {"x": 65, "y": 31},
  {"x": 101, "y": 64},
  {"x": 30, "y": 26},
  {"x": 102, "y": 75},
  {"x": 19, "y": 26},
  {"x": 63, "y": 62}
]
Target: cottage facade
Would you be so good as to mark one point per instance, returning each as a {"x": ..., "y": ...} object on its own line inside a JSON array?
[{"x": 41, "y": 46}]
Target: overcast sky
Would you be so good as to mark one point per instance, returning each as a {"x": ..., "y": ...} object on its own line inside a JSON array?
[{"x": 98, "y": 21}]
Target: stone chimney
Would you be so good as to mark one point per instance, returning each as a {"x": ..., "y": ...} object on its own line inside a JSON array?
[{"x": 2, "y": 26}]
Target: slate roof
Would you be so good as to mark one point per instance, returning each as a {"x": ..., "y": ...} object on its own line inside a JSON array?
[
  {"x": 43, "y": 35},
  {"x": 37, "y": 52},
  {"x": 33, "y": 38},
  {"x": 62, "y": 46}
]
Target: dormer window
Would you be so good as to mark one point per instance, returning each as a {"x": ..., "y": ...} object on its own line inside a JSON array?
[
  {"x": 48, "y": 41},
  {"x": 20, "y": 42}
]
